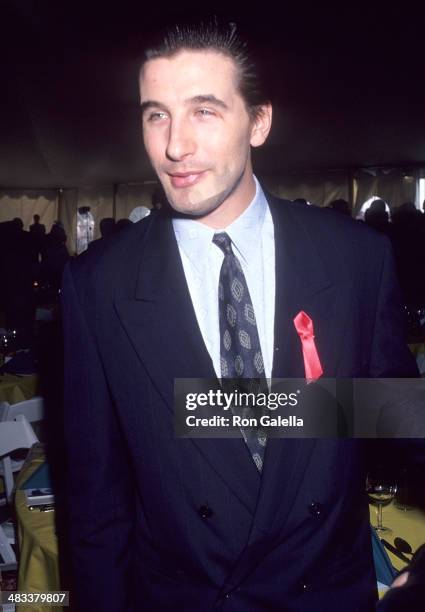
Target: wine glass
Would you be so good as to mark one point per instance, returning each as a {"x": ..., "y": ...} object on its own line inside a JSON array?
[{"x": 381, "y": 490}]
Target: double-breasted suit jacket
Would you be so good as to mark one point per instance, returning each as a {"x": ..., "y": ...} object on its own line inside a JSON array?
[{"x": 160, "y": 523}]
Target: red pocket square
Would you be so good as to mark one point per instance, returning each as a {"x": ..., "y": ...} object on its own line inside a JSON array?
[{"x": 304, "y": 326}]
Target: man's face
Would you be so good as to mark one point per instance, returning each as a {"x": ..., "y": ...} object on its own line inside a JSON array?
[{"x": 197, "y": 133}]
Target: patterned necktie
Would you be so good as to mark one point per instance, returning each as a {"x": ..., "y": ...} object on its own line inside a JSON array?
[{"x": 240, "y": 350}]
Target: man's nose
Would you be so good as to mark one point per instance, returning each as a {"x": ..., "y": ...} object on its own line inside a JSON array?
[{"x": 181, "y": 141}]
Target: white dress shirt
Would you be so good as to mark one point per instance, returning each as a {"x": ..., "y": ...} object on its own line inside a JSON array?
[{"x": 252, "y": 236}]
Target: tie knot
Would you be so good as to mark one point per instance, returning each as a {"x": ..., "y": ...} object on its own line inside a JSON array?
[{"x": 223, "y": 242}]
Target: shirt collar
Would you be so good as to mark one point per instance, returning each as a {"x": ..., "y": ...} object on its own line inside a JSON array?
[
  {"x": 195, "y": 238},
  {"x": 245, "y": 231}
]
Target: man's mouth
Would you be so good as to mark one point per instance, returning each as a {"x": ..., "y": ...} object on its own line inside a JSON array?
[{"x": 185, "y": 179}]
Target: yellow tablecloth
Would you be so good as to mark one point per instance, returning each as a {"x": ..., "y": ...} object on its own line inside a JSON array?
[
  {"x": 14, "y": 389},
  {"x": 38, "y": 549},
  {"x": 406, "y": 524}
]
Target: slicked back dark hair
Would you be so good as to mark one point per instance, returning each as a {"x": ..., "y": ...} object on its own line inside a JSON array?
[{"x": 225, "y": 38}]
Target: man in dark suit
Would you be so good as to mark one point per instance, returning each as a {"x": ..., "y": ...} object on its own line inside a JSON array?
[{"x": 160, "y": 523}]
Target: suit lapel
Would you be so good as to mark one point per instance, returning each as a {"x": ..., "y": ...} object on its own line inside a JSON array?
[
  {"x": 302, "y": 283},
  {"x": 156, "y": 310}
]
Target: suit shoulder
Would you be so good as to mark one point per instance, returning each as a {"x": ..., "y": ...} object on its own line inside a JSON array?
[
  {"x": 106, "y": 258},
  {"x": 327, "y": 224}
]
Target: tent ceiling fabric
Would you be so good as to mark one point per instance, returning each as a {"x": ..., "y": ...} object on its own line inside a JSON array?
[{"x": 348, "y": 93}]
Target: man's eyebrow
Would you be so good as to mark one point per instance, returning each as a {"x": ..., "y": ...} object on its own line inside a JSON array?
[
  {"x": 144, "y": 106},
  {"x": 200, "y": 99},
  {"x": 207, "y": 99}
]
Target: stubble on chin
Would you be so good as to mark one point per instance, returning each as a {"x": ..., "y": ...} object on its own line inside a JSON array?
[{"x": 196, "y": 204}]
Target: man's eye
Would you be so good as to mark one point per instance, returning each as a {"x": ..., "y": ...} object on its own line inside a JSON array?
[
  {"x": 156, "y": 116},
  {"x": 205, "y": 112}
]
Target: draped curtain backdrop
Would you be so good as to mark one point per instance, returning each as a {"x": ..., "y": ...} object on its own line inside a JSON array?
[
  {"x": 25, "y": 204},
  {"x": 395, "y": 186},
  {"x": 107, "y": 201},
  {"x": 67, "y": 214},
  {"x": 317, "y": 188},
  {"x": 131, "y": 196}
]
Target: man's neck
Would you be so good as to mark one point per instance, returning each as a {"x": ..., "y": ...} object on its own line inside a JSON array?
[{"x": 232, "y": 207}]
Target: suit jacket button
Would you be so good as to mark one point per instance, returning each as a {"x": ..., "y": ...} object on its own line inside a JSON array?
[
  {"x": 205, "y": 512},
  {"x": 315, "y": 508}
]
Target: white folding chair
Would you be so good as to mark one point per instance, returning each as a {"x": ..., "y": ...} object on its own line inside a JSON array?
[
  {"x": 7, "y": 554},
  {"x": 14, "y": 435},
  {"x": 32, "y": 410},
  {"x": 3, "y": 406}
]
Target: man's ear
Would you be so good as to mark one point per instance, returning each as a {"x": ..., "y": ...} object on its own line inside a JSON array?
[{"x": 261, "y": 125}]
